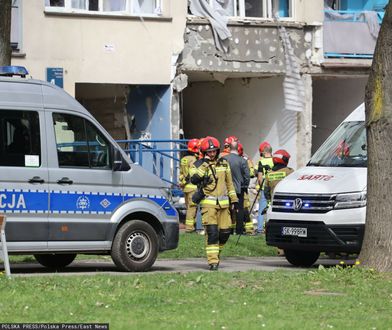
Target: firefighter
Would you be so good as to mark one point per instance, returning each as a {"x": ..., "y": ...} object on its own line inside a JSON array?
[
  {"x": 216, "y": 195},
  {"x": 187, "y": 187},
  {"x": 226, "y": 145},
  {"x": 264, "y": 165},
  {"x": 278, "y": 172},
  {"x": 249, "y": 229}
]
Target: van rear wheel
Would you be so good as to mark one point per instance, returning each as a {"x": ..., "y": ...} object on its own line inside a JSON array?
[
  {"x": 135, "y": 247},
  {"x": 301, "y": 258},
  {"x": 55, "y": 260}
]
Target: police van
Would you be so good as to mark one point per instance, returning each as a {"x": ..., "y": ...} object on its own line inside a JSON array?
[
  {"x": 322, "y": 207},
  {"x": 66, "y": 187}
]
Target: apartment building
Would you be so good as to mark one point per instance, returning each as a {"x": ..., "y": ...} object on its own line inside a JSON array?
[{"x": 167, "y": 69}]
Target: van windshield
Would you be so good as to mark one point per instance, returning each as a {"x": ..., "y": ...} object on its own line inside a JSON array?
[{"x": 346, "y": 147}]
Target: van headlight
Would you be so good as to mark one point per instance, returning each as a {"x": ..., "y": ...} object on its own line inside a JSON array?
[{"x": 351, "y": 200}]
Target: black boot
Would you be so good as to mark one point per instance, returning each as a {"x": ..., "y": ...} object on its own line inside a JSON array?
[{"x": 214, "y": 267}]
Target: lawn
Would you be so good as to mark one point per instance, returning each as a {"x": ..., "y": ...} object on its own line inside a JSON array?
[
  {"x": 339, "y": 298},
  {"x": 193, "y": 246}
]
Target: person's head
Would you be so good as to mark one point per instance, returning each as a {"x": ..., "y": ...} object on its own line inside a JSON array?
[
  {"x": 228, "y": 141},
  {"x": 234, "y": 147},
  {"x": 210, "y": 147},
  {"x": 265, "y": 149},
  {"x": 281, "y": 157},
  {"x": 193, "y": 146}
]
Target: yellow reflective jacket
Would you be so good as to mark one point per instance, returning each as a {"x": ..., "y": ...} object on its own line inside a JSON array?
[
  {"x": 185, "y": 165},
  {"x": 273, "y": 178},
  {"x": 216, "y": 181},
  {"x": 264, "y": 165}
]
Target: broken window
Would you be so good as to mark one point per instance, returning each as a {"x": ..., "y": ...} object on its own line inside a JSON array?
[
  {"x": 127, "y": 6},
  {"x": 255, "y": 8}
]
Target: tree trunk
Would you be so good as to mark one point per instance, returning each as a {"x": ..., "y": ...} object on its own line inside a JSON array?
[
  {"x": 5, "y": 32},
  {"x": 377, "y": 246}
]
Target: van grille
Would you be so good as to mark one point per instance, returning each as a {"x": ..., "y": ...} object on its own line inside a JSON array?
[{"x": 303, "y": 203}]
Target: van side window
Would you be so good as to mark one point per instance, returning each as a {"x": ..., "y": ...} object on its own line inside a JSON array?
[
  {"x": 79, "y": 143},
  {"x": 20, "y": 142}
]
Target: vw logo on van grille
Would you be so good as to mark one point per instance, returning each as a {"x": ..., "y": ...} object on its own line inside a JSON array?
[{"x": 297, "y": 205}]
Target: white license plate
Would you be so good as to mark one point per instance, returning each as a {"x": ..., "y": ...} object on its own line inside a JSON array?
[{"x": 293, "y": 231}]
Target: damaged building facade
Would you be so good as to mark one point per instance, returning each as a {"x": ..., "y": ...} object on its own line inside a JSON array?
[
  {"x": 238, "y": 88},
  {"x": 170, "y": 69}
]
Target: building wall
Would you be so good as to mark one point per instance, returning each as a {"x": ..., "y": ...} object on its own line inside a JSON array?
[
  {"x": 309, "y": 11},
  {"x": 251, "y": 109},
  {"x": 333, "y": 100},
  {"x": 138, "y": 51}
]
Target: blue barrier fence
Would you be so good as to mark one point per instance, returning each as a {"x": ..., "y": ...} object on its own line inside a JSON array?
[{"x": 161, "y": 157}]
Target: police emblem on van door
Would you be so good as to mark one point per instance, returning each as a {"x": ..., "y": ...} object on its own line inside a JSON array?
[
  {"x": 297, "y": 205},
  {"x": 83, "y": 203},
  {"x": 105, "y": 203}
]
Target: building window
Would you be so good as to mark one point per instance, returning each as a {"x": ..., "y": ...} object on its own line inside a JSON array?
[
  {"x": 15, "y": 26},
  {"x": 255, "y": 8},
  {"x": 136, "y": 7}
]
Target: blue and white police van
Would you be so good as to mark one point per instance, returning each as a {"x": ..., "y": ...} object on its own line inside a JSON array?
[{"x": 66, "y": 187}]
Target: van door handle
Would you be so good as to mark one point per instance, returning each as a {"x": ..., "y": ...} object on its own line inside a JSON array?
[
  {"x": 36, "y": 179},
  {"x": 65, "y": 181}
]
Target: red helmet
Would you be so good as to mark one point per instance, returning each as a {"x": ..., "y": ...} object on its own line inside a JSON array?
[
  {"x": 229, "y": 140},
  {"x": 193, "y": 146},
  {"x": 281, "y": 157},
  {"x": 209, "y": 143},
  {"x": 342, "y": 150},
  {"x": 240, "y": 149},
  {"x": 264, "y": 145}
]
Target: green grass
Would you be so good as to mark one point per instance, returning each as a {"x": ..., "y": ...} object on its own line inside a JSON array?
[
  {"x": 191, "y": 246},
  {"x": 322, "y": 299}
]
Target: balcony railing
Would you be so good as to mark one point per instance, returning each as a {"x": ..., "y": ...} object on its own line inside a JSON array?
[{"x": 351, "y": 34}]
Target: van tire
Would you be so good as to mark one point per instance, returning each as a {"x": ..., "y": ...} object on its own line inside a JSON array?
[
  {"x": 55, "y": 260},
  {"x": 301, "y": 258},
  {"x": 135, "y": 247}
]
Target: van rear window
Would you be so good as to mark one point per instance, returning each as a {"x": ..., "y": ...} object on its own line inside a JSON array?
[{"x": 20, "y": 142}]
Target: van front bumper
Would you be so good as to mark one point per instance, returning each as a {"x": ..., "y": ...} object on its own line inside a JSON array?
[{"x": 320, "y": 237}]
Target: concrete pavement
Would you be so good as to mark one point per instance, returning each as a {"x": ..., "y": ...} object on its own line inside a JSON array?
[{"x": 231, "y": 264}]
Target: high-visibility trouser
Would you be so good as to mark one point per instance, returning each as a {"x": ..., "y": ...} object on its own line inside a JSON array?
[
  {"x": 249, "y": 229},
  {"x": 191, "y": 210},
  {"x": 217, "y": 223}
]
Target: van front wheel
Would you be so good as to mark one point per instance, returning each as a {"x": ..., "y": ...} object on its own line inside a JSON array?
[
  {"x": 135, "y": 247},
  {"x": 301, "y": 258},
  {"x": 55, "y": 260}
]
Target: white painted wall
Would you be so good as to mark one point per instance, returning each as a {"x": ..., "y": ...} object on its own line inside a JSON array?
[
  {"x": 251, "y": 109},
  {"x": 140, "y": 51},
  {"x": 333, "y": 100}
]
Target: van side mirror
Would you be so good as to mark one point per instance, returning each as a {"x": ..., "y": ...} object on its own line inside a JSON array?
[{"x": 119, "y": 164}]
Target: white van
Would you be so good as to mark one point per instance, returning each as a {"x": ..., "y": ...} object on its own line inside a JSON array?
[
  {"x": 66, "y": 187},
  {"x": 322, "y": 207}
]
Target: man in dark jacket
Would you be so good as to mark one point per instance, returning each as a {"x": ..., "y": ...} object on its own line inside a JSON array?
[{"x": 241, "y": 177}]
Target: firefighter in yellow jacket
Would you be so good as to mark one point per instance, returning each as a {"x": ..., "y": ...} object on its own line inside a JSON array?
[
  {"x": 278, "y": 172},
  {"x": 187, "y": 187},
  {"x": 216, "y": 195}
]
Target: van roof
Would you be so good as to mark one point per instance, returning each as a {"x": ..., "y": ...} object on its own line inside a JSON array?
[
  {"x": 358, "y": 114},
  {"x": 20, "y": 93}
]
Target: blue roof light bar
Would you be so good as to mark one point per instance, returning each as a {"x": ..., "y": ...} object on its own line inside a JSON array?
[{"x": 13, "y": 70}]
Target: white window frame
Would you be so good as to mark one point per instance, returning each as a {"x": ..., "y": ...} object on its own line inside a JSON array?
[
  {"x": 129, "y": 5},
  {"x": 267, "y": 10}
]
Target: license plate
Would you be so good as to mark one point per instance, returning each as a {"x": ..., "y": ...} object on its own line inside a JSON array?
[{"x": 293, "y": 231}]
